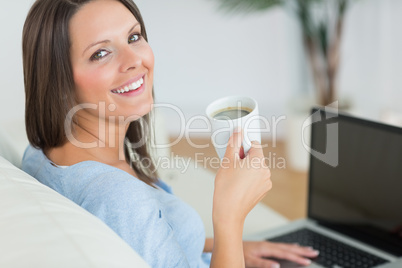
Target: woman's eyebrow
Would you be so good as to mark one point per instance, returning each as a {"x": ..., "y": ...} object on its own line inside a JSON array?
[
  {"x": 132, "y": 28},
  {"x": 94, "y": 44},
  {"x": 108, "y": 41}
]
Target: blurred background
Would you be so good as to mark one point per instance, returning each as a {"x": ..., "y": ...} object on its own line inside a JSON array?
[
  {"x": 204, "y": 52},
  {"x": 285, "y": 55}
]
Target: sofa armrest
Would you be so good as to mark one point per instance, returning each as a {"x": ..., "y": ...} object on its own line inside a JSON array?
[{"x": 41, "y": 228}]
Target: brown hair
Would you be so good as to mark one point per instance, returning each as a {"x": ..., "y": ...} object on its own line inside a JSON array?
[{"x": 49, "y": 83}]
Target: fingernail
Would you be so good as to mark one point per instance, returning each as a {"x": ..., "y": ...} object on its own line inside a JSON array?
[
  {"x": 307, "y": 262},
  {"x": 313, "y": 250},
  {"x": 275, "y": 265},
  {"x": 256, "y": 144}
]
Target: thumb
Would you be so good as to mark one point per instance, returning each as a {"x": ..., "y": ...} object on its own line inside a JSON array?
[{"x": 234, "y": 143}]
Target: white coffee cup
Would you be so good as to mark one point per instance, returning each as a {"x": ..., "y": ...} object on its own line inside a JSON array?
[{"x": 223, "y": 124}]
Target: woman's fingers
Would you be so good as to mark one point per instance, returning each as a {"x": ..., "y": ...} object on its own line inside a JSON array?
[
  {"x": 297, "y": 249},
  {"x": 241, "y": 153},
  {"x": 240, "y": 183},
  {"x": 284, "y": 255},
  {"x": 256, "y": 153},
  {"x": 257, "y": 262},
  {"x": 293, "y": 253},
  {"x": 265, "y": 249},
  {"x": 234, "y": 144},
  {"x": 255, "y": 158},
  {"x": 255, "y": 150}
]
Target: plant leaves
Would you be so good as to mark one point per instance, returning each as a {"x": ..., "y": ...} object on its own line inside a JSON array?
[{"x": 246, "y": 6}]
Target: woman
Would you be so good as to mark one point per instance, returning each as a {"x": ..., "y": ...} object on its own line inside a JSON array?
[{"x": 88, "y": 73}]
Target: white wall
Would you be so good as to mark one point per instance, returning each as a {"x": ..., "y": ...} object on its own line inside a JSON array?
[
  {"x": 202, "y": 54},
  {"x": 12, "y": 16},
  {"x": 372, "y": 58}
]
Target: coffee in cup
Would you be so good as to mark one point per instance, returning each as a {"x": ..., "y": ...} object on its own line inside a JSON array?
[{"x": 229, "y": 113}]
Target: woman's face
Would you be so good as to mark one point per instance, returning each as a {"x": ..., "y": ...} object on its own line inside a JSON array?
[{"x": 112, "y": 63}]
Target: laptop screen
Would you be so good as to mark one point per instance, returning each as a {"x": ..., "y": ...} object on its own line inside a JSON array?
[{"x": 356, "y": 178}]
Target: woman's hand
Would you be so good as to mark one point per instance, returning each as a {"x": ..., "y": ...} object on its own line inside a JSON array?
[
  {"x": 256, "y": 252},
  {"x": 240, "y": 183}
]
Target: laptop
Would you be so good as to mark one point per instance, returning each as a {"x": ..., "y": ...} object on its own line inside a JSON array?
[{"x": 355, "y": 194}]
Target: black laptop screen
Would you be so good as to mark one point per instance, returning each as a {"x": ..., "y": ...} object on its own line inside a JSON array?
[{"x": 356, "y": 179}]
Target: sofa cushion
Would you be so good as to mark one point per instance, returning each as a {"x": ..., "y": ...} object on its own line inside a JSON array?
[
  {"x": 7, "y": 148},
  {"x": 41, "y": 228}
]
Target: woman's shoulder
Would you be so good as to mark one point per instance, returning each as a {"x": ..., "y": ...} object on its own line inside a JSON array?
[
  {"x": 92, "y": 183},
  {"x": 110, "y": 182},
  {"x": 84, "y": 179}
]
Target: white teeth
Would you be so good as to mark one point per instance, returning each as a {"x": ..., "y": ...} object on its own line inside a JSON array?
[{"x": 132, "y": 86}]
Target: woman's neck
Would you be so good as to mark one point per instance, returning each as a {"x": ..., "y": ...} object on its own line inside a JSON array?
[{"x": 93, "y": 139}]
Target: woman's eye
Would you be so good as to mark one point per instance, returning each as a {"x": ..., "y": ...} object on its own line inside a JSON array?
[
  {"x": 133, "y": 38},
  {"x": 99, "y": 55}
]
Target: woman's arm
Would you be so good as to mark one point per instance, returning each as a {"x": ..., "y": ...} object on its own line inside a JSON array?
[
  {"x": 228, "y": 246},
  {"x": 239, "y": 185},
  {"x": 209, "y": 244}
]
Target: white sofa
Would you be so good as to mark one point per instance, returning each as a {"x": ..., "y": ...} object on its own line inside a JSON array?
[{"x": 41, "y": 228}]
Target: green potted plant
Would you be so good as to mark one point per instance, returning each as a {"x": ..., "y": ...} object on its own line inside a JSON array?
[{"x": 321, "y": 23}]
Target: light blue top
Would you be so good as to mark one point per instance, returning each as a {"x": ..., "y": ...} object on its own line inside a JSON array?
[{"x": 160, "y": 227}]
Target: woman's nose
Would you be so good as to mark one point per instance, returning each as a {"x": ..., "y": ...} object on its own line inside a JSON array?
[{"x": 130, "y": 59}]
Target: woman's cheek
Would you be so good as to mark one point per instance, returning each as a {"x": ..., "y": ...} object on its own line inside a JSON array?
[
  {"x": 148, "y": 57},
  {"x": 89, "y": 81}
]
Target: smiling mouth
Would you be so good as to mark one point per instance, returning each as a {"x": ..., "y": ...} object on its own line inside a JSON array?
[{"x": 130, "y": 87}]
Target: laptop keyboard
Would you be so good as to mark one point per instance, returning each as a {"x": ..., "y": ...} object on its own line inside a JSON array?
[{"x": 332, "y": 252}]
